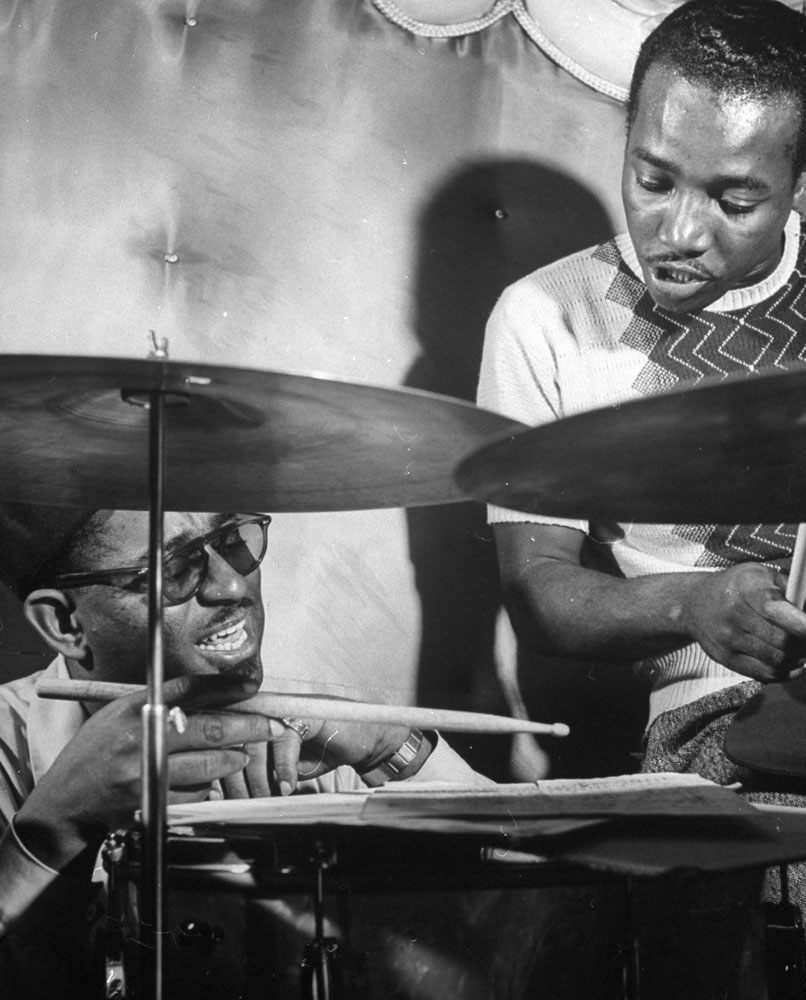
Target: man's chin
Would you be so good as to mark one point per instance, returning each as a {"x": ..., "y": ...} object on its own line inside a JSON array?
[{"x": 249, "y": 669}]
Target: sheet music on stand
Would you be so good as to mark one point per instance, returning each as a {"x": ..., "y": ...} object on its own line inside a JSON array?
[
  {"x": 475, "y": 807},
  {"x": 642, "y": 824}
]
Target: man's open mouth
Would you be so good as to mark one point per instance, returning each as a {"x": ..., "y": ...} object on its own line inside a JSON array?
[
  {"x": 678, "y": 276},
  {"x": 227, "y": 639}
]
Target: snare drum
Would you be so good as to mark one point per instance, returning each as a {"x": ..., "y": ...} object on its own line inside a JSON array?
[
  {"x": 406, "y": 914},
  {"x": 312, "y": 903}
]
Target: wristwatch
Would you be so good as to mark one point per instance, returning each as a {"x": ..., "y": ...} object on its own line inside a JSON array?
[{"x": 392, "y": 766}]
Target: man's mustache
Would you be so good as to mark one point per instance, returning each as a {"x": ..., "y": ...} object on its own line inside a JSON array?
[
  {"x": 223, "y": 615},
  {"x": 692, "y": 267}
]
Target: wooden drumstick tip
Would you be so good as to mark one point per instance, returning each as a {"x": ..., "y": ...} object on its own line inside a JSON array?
[{"x": 559, "y": 729}]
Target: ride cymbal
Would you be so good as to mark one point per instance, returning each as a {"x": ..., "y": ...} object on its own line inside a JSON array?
[
  {"x": 768, "y": 732},
  {"x": 74, "y": 432}
]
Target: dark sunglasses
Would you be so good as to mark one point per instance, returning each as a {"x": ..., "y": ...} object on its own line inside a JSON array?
[{"x": 240, "y": 543}]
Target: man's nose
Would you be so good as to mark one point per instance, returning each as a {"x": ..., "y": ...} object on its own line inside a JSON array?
[
  {"x": 222, "y": 583},
  {"x": 684, "y": 226}
]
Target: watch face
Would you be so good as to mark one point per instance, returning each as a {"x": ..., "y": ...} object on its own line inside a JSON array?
[
  {"x": 405, "y": 755},
  {"x": 396, "y": 762}
]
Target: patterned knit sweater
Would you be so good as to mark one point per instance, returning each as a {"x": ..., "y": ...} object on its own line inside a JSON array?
[{"x": 584, "y": 333}]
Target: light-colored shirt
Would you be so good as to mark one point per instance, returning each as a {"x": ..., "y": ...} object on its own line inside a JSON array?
[{"x": 34, "y": 731}]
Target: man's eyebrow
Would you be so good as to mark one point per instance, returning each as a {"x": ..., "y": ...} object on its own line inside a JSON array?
[
  {"x": 747, "y": 181},
  {"x": 641, "y": 153},
  {"x": 190, "y": 534}
]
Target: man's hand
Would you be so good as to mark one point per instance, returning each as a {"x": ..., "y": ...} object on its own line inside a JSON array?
[
  {"x": 741, "y": 618},
  {"x": 94, "y": 785},
  {"x": 329, "y": 744},
  {"x": 326, "y": 746}
]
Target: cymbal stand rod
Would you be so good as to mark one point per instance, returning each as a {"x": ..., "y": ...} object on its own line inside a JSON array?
[
  {"x": 631, "y": 967},
  {"x": 320, "y": 976},
  {"x": 155, "y": 756},
  {"x": 796, "y": 584}
]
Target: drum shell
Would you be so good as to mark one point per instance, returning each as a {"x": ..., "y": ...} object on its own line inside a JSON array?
[{"x": 413, "y": 916}]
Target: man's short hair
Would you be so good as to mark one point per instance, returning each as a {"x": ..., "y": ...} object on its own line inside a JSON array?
[
  {"x": 38, "y": 542},
  {"x": 738, "y": 48}
]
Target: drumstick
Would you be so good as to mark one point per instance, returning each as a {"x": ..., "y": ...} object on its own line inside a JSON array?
[
  {"x": 796, "y": 584},
  {"x": 281, "y": 706}
]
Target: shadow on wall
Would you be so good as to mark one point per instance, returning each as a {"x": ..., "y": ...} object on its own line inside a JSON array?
[{"x": 487, "y": 225}]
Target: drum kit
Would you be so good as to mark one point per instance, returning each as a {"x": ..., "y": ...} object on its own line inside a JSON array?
[{"x": 159, "y": 435}]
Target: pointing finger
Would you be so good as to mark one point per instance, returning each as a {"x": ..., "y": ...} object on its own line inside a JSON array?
[{"x": 220, "y": 729}]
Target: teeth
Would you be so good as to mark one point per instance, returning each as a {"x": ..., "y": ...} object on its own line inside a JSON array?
[
  {"x": 218, "y": 641},
  {"x": 225, "y": 631},
  {"x": 678, "y": 277}
]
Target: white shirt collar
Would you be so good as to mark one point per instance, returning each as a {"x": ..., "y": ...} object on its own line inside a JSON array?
[{"x": 52, "y": 722}]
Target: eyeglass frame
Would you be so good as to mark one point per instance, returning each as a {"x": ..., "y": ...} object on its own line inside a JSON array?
[{"x": 111, "y": 577}]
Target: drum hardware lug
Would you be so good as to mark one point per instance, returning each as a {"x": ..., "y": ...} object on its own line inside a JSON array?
[
  {"x": 112, "y": 849},
  {"x": 324, "y": 855},
  {"x": 205, "y": 937},
  {"x": 321, "y": 972},
  {"x": 112, "y": 854},
  {"x": 115, "y": 981}
]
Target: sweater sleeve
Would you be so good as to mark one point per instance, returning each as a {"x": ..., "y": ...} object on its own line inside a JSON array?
[{"x": 519, "y": 371}]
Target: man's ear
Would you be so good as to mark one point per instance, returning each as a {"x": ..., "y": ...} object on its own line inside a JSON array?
[{"x": 53, "y": 614}]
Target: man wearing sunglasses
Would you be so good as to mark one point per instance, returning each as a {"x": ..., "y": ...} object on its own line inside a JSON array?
[{"x": 70, "y": 772}]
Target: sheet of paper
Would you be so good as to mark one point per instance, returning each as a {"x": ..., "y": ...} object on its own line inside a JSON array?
[
  {"x": 628, "y": 795},
  {"x": 327, "y": 807},
  {"x": 521, "y": 809}
]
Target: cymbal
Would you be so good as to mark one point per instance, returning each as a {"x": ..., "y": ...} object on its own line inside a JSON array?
[
  {"x": 768, "y": 733},
  {"x": 732, "y": 451},
  {"x": 73, "y": 432}
]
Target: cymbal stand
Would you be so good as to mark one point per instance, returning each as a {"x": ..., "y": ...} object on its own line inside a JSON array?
[
  {"x": 320, "y": 979},
  {"x": 154, "y": 716}
]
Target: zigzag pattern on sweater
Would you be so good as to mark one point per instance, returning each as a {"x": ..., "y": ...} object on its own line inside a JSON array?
[{"x": 684, "y": 349}]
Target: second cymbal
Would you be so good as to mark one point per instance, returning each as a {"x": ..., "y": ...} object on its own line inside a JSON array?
[{"x": 726, "y": 452}]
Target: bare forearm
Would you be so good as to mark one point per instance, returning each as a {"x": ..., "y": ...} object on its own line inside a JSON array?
[
  {"x": 738, "y": 615},
  {"x": 572, "y": 611}
]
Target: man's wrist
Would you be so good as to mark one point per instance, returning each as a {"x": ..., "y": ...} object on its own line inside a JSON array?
[
  {"x": 54, "y": 843},
  {"x": 29, "y": 854},
  {"x": 402, "y": 763}
]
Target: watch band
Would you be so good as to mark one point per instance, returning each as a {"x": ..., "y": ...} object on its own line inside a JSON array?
[{"x": 392, "y": 766}]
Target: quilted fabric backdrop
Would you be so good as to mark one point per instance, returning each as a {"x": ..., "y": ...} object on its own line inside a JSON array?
[{"x": 334, "y": 186}]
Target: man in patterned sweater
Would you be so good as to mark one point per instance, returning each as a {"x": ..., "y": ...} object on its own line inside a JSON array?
[{"x": 708, "y": 282}]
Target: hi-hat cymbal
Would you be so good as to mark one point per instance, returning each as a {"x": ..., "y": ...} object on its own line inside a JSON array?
[
  {"x": 768, "y": 733},
  {"x": 72, "y": 434},
  {"x": 726, "y": 452}
]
